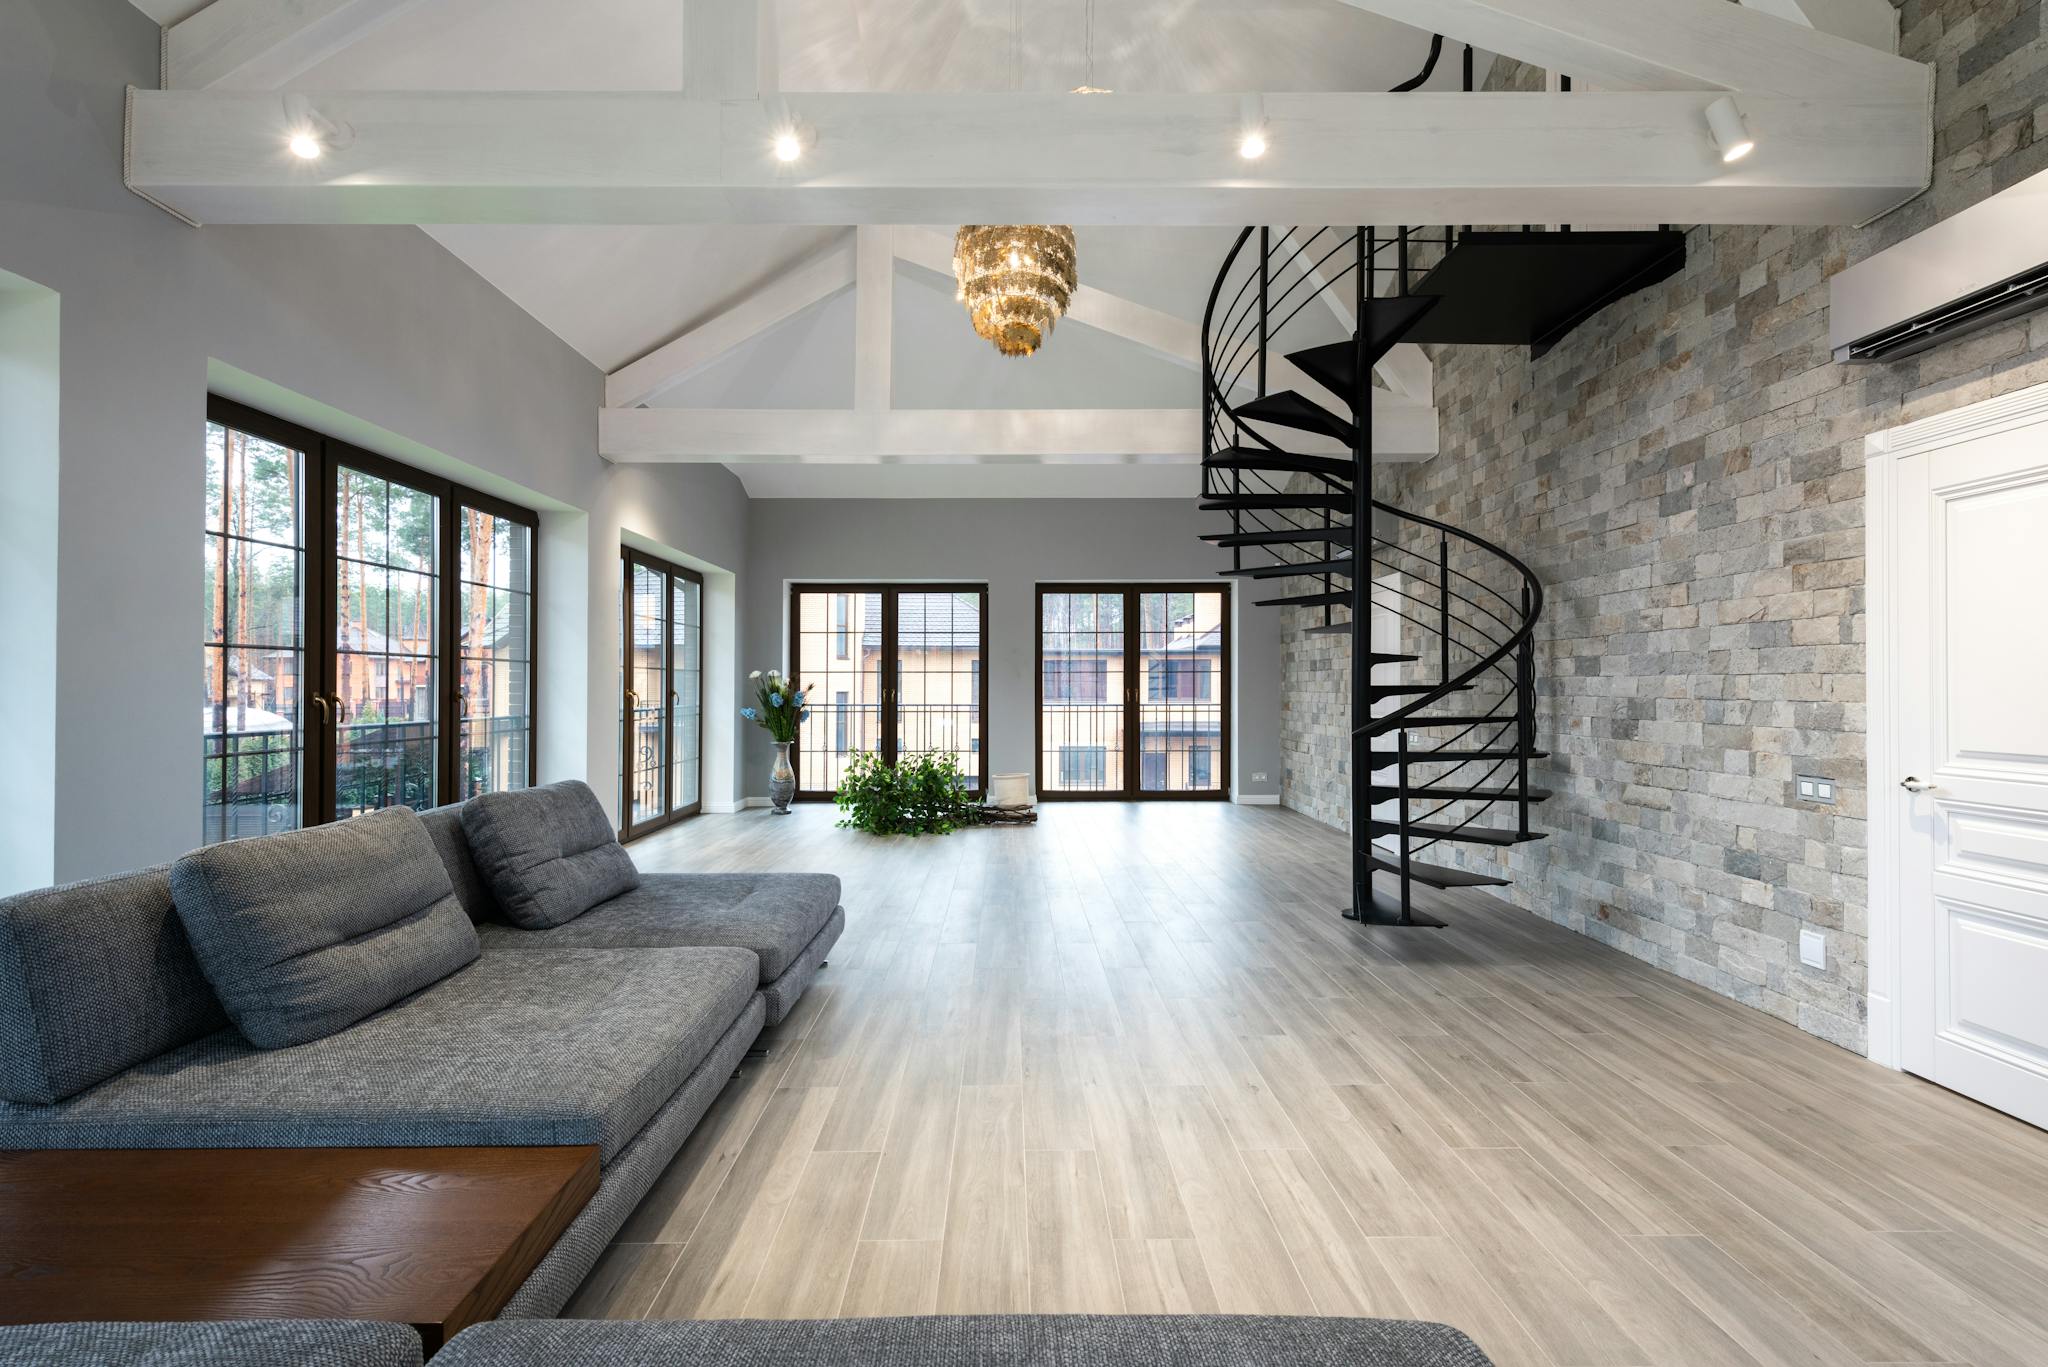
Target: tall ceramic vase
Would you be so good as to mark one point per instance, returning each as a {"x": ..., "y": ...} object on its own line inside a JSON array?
[{"x": 782, "y": 783}]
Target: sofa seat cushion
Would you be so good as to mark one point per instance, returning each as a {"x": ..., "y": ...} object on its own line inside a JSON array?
[
  {"x": 773, "y": 914},
  {"x": 304, "y": 933},
  {"x": 94, "y": 978},
  {"x": 574, "y": 1047},
  {"x": 983, "y": 1340},
  {"x": 547, "y": 854},
  {"x": 216, "y": 1343}
]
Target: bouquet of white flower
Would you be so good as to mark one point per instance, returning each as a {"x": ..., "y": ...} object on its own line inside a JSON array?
[{"x": 781, "y": 705}]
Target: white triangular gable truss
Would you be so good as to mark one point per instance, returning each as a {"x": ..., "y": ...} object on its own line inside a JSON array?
[{"x": 1843, "y": 127}]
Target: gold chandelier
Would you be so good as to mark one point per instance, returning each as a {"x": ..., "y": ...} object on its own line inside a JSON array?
[{"x": 1016, "y": 280}]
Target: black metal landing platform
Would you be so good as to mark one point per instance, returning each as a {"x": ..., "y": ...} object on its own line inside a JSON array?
[{"x": 1531, "y": 289}]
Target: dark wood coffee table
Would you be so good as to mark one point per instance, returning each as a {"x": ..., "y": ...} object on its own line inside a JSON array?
[{"x": 436, "y": 1238}]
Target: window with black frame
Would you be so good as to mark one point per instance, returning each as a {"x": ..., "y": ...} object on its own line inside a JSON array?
[
  {"x": 368, "y": 633},
  {"x": 1132, "y": 690}
]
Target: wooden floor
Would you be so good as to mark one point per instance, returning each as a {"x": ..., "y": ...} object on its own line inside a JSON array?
[{"x": 1131, "y": 1060}]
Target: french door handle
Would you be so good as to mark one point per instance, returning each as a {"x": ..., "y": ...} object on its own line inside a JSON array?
[
  {"x": 1914, "y": 785},
  {"x": 325, "y": 714}
]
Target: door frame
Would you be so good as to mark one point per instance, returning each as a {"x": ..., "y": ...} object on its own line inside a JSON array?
[
  {"x": 886, "y": 734},
  {"x": 629, "y": 557},
  {"x": 323, "y": 457},
  {"x": 1133, "y": 789},
  {"x": 1883, "y": 592}
]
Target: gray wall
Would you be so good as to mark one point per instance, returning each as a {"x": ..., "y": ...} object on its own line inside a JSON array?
[
  {"x": 1011, "y": 545},
  {"x": 1686, "y": 475},
  {"x": 379, "y": 323}
]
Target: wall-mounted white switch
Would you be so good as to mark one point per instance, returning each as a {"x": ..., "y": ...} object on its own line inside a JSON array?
[
  {"x": 1259, "y": 777},
  {"x": 1814, "y": 789},
  {"x": 1813, "y": 949}
]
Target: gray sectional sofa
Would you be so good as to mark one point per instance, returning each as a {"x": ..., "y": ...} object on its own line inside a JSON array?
[
  {"x": 924, "y": 1341},
  {"x": 496, "y": 973}
]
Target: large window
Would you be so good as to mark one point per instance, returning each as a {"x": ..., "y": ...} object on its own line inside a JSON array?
[
  {"x": 901, "y": 666},
  {"x": 367, "y": 637},
  {"x": 661, "y": 753},
  {"x": 1133, "y": 690}
]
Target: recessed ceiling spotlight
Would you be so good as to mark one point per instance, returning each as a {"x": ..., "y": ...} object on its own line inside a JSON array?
[
  {"x": 1730, "y": 130},
  {"x": 304, "y": 146},
  {"x": 1253, "y": 146},
  {"x": 788, "y": 146}
]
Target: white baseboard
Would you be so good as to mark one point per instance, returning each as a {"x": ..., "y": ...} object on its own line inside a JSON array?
[
  {"x": 1256, "y": 799},
  {"x": 741, "y": 805}
]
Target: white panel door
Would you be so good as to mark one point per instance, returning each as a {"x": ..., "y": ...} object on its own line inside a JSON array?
[{"x": 1973, "y": 751}]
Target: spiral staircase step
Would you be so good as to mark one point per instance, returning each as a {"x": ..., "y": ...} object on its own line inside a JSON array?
[
  {"x": 1289, "y": 409},
  {"x": 1335, "y": 599},
  {"x": 1388, "y": 322},
  {"x": 1305, "y": 503},
  {"x": 1468, "y": 835},
  {"x": 1413, "y": 690},
  {"x": 1281, "y": 536},
  {"x": 1437, "y": 876},
  {"x": 1386, "y": 759},
  {"x": 1290, "y": 569},
  {"x": 1286, "y": 462},
  {"x": 1456, "y": 792}
]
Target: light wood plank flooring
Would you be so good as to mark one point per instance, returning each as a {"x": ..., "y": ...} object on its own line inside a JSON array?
[{"x": 1131, "y": 1061}]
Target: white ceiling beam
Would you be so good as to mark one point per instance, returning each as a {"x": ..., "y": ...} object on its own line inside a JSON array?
[
  {"x": 782, "y": 297},
  {"x": 874, "y": 317},
  {"x": 1668, "y": 45},
  {"x": 729, "y": 49},
  {"x": 944, "y": 435},
  {"x": 1873, "y": 23},
  {"x": 544, "y": 157},
  {"x": 261, "y": 44}
]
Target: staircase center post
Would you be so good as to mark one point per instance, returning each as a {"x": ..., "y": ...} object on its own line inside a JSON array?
[{"x": 1361, "y": 586}]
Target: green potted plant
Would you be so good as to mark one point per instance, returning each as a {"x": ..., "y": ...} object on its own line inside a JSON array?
[{"x": 779, "y": 709}]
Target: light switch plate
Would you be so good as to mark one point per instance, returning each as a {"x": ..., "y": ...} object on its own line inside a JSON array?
[
  {"x": 1259, "y": 777},
  {"x": 1813, "y": 949},
  {"x": 1811, "y": 788}
]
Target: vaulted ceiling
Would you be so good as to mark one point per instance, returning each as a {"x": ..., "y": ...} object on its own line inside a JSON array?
[{"x": 689, "y": 174}]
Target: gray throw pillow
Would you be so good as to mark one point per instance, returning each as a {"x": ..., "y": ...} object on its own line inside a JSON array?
[
  {"x": 306, "y": 933},
  {"x": 548, "y": 854},
  {"x": 95, "y": 978}
]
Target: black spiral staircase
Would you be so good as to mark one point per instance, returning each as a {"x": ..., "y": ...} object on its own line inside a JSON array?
[{"x": 1443, "y": 721}]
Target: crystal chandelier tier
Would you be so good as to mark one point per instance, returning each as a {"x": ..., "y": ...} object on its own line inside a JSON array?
[{"x": 1015, "y": 280}]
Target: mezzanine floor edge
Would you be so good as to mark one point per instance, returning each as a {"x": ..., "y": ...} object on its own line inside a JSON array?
[{"x": 1130, "y": 1060}]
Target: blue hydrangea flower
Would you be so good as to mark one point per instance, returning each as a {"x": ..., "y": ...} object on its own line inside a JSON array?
[
  {"x": 775, "y": 700},
  {"x": 750, "y": 714},
  {"x": 797, "y": 698}
]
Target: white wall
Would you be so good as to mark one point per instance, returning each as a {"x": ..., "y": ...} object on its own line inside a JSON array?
[
  {"x": 374, "y": 329},
  {"x": 1012, "y": 545}
]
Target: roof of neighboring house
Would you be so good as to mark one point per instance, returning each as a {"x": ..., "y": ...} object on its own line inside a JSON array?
[
  {"x": 931, "y": 621},
  {"x": 1102, "y": 643}
]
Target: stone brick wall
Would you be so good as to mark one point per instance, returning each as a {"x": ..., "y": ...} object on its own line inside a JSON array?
[{"x": 1685, "y": 474}]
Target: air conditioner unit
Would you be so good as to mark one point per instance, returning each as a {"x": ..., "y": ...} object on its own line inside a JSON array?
[{"x": 1971, "y": 271}]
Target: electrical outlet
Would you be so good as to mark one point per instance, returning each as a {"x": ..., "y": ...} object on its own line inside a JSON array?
[
  {"x": 1813, "y": 949},
  {"x": 1811, "y": 788},
  {"x": 1259, "y": 777}
]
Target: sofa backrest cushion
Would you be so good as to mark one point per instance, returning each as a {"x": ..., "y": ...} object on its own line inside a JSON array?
[
  {"x": 95, "y": 978},
  {"x": 445, "y": 825},
  {"x": 305, "y": 933},
  {"x": 548, "y": 853}
]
